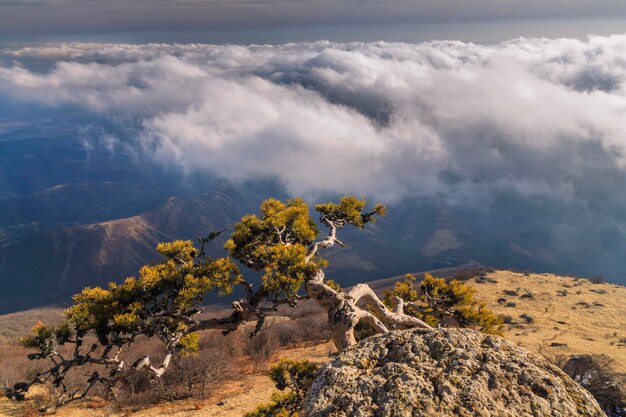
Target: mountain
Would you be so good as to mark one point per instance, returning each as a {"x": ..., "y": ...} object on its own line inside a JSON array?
[
  {"x": 48, "y": 266},
  {"x": 77, "y": 212}
]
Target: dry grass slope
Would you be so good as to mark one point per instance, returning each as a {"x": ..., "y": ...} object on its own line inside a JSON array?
[
  {"x": 546, "y": 313},
  {"x": 556, "y": 315},
  {"x": 233, "y": 398},
  {"x": 13, "y": 326}
]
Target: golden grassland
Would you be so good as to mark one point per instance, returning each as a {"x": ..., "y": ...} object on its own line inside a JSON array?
[
  {"x": 568, "y": 315},
  {"x": 548, "y": 314},
  {"x": 231, "y": 398},
  {"x": 13, "y": 326}
]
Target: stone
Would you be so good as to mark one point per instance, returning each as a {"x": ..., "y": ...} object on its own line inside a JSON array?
[{"x": 445, "y": 372}]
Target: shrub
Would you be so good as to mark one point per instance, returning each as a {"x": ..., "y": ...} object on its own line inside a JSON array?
[
  {"x": 598, "y": 279},
  {"x": 187, "y": 376},
  {"x": 597, "y": 375},
  {"x": 527, "y": 318},
  {"x": 198, "y": 371},
  {"x": 287, "y": 332},
  {"x": 444, "y": 303},
  {"x": 507, "y": 318},
  {"x": 294, "y": 377}
]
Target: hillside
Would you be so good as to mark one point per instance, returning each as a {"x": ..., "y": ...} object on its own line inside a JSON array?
[
  {"x": 563, "y": 316},
  {"x": 232, "y": 398},
  {"x": 75, "y": 214},
  {"x": 566, "y": 315}
]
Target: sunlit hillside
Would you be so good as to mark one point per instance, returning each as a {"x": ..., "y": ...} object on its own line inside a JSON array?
[{"x": 549, "y": 314}]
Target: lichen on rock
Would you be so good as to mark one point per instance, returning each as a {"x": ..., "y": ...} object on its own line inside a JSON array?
[{"x": 445, "y": 372}]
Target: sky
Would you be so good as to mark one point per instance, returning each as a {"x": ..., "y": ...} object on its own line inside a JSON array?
[
  {"x": 276, "y": 21},
  {"x": 449, "y": 119},
  {"x": 529, "y": 127},
  {"x": 461, "y": 102}
]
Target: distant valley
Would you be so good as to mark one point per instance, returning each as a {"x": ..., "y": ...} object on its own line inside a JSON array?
[{"x": 75, "y": 213}]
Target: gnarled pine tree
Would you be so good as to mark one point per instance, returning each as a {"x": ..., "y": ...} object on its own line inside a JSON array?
[
  {"x": 164, "y": 301},
  {"x": 442, "y": 303}
]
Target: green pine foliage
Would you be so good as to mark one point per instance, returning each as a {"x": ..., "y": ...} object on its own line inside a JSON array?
[
  {"x": 333, "y": 284},
  {"x": 164, "y": 299},
  {"x": 45, "y": 339},
  {"x": 442, "y": 303},
  {"x": 349, "y": 210},
  {"x": 293, "y": 378},
  {"x": 150, "y": 304},
  {"x": 276, "y": 242}
]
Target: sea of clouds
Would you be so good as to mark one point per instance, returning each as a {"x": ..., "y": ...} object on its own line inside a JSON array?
[{"x": 451, "y": 120}]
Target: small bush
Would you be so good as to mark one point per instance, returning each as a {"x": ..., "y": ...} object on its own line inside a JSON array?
[
  {"x": 310, "y": 321},
  {"x": 315, "y": 328},
  {"x": 189, "y": 376},
  {"x": 287, "y": 332},
  {"x": 482, "y": 278},
  {"x": 507, "y": 318},
  {"x": 196, "y": 372},
  {"x": 597, "y": 375},
  {"x": 262, "y": 344},
  {"x": 598, "y": 279},
  {"x": 469, "y": 273},
  {"x": 293, "y": 379}
]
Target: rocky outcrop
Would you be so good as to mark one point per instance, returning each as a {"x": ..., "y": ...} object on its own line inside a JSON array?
[{"x": 444, "y": 372}]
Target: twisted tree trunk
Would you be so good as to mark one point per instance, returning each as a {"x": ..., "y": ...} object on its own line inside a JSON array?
[{"x": 360, "y": 303}]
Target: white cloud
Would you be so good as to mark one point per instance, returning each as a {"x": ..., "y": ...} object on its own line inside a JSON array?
[{"x": 387, "y": 120}]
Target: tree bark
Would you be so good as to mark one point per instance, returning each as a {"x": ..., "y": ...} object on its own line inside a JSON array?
[{"x": 346, "y": 310}]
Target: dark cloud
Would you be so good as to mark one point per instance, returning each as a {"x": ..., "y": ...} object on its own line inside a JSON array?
[{"x": 47, "y": 17}]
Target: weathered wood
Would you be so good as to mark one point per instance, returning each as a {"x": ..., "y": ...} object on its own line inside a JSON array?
[{"x": 346, "y": 310}]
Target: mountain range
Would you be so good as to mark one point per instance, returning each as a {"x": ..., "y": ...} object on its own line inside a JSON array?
[{"x": 74, "y": 213}]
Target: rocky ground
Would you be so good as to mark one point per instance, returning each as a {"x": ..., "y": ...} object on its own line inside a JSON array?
[{"x": 445, "y": 373}]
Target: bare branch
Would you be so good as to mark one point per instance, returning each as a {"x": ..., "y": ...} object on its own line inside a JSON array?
[{"x": 344, "y": 313}]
